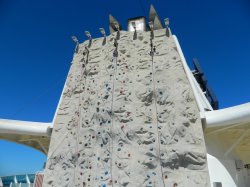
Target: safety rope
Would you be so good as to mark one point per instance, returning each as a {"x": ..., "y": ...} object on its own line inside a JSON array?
[
  {"x": 79, "y": 113},
  {"x": 60, "y": 142},
  {"x": 115, "y": 55},
  {"x": 155, "y": 98}
]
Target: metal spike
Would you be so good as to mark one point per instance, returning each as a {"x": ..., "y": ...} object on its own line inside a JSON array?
[
  {"x": 153, "y": 16},
  {"x": 114, "y": 25}
]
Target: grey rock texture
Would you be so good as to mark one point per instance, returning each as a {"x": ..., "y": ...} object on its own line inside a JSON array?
[{"x": 129, "y": 120}]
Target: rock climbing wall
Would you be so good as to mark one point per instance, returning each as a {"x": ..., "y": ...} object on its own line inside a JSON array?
[{"x": 128, "y": 117}]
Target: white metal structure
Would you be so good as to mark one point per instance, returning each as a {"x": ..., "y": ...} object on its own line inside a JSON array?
[{"x": 33, "y": 134}]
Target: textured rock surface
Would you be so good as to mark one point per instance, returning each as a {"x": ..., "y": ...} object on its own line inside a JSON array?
[{"x": 129, "y": 120}]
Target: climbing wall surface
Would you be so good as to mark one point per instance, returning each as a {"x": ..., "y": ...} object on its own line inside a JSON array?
[{"x": 128, "y": 117}]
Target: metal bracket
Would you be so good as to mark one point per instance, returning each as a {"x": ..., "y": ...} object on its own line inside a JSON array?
[
  {"x": 87, "y": 33},
  {"x": 74, "y": 38},
  {"x": 104, "y": 35}
]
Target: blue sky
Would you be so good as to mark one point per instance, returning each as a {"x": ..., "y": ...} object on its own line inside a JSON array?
[{"x": 36, "y": 51}]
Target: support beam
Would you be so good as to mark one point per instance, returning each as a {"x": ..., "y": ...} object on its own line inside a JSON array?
[
  {"x": 239, "y": 114},
  {"x": 25, "y": 127}
]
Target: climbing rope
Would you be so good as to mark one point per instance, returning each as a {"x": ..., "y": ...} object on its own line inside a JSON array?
[
  {"x": 115, "y": 55},
  {"x": 79, "y": 112},
  {"x": 155, "y": 98},
  {"x": 64, "y": 137}
]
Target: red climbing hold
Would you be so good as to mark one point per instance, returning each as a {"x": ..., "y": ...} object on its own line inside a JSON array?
[{"x": 110, "y": 181}]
